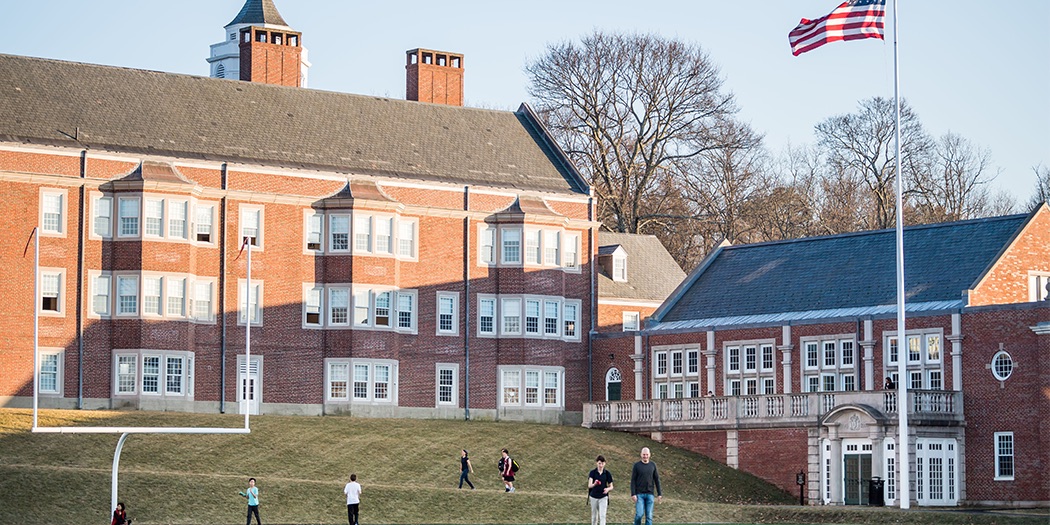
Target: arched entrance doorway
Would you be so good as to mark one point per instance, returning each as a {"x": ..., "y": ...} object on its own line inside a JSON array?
[{"x": 612, "y": 384}]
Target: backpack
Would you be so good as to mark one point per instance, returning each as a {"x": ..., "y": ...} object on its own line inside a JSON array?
[{"x": 514, "y": 465}]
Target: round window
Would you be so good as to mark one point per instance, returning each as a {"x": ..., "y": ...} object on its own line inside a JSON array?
[{"x": 1002, "y": 366}]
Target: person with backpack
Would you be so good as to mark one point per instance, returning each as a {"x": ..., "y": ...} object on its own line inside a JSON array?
[{"x": 507, "y": 467}]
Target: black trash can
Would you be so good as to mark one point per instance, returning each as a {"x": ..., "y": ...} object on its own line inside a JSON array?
[{"x": 876, "y": 485}]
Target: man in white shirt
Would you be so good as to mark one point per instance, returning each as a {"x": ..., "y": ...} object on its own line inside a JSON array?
[{"x": 353, "y": 499}]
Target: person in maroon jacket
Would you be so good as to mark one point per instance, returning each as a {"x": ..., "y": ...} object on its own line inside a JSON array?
[
  {"x": 506, "y": 470},
  {"x": 120, "y": 515}
]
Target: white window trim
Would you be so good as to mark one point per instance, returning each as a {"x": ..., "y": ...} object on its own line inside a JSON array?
[
  {"x": 93, "y": 275},
  {"x": 242, "y": 297},
  {"x": 495, "y": 315},
  {"x": 120, "y": 200},
  {"x": 328, "y": 363},
  {"x": 574, "y": 240},
  {"x": 322, "y": 244},
  {"x": 260, "y": 238},
  {"x": 669, "y": 378},
  {"x": 321, "y": 304},
  {"x": 96, "y": 198},
  {"x": 455, "y": 313},
  {"x": 996, "y": 455},
  {"x": 210, "y": 319},
  {"x": 503, "y": 261},
  {"x": 61, "y": 301},
  {"x": 60, "y": 372},
  {"x": 391, "y": 400},
  {"x": 211, "y": 225},
  {"x": 619, "y": 267},
  {"x": 454, "y": 367},
  {"x": 414, "y": 222},
  {"x": 923, "y": 364},
  {"x": 1037, "y": 283},
  {"x": 393, "y": 317},
  {"x": 488, "y": 230},
  {"x": 742, "y": 374},
  {"x": 188, "y": 374},
  {"x": 63, "y": 214},
  {"x": 169, "y": 218},
  {"x": 632, "y": 321},
  {"x": 522, "y": 370}
]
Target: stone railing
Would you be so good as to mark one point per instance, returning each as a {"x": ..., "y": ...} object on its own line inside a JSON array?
[{"x": 932, "y": 406}]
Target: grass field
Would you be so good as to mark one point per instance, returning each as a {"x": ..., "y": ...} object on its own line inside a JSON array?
[{"x": 408, "y": 469}]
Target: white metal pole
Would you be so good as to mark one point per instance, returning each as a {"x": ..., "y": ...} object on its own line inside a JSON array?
[
  {"x": 903, "y": 453},
  {"x": 36, "y": 323},
  {"x": 116, "y": 465},
  {"x": 247, "y": 389}
]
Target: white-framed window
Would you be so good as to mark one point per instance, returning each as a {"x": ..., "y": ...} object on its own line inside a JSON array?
[
  {"x": 631, "y": 321},
  {"x": 551, "y": 247},
  {"x": 372, "y": 381},
  {"x": 381, "y": 313},
  {"x": 570, "y": 256},
  {"x": 1038, "y": 286},
  {"x": 924, "y": 354},
  {"x": 676, "y": 371},
  {"x": 204, "y": 219},
  {"x": 407, "y": 238},
  {"x": 338, "y": 233},
  {"x": 203, "y": 299},
  {"x": 338, "y": 306},
  {"x": 510, "y": 243},
  {"x": 251, "y": 225},
  {"x": 511, "y": 316},
  {"x": 363, "y": 233},
  {"x": 127, "y": 295},
  {"x": 162, "y": 373},
  {"x": 52, "y": 291},
  {"x": 384, "y": 235},
  {"x": 692, "y": 362},
  {"x": 177, "y": 220},
  {"x": 384, "y": 308},
  {"x": 313, "y": 232},
  {"x": 102, "y": 216},
  {"x": 151, "y": 293},
  {"x": 128, "y": 214},
  {"x": 406, "y": 310},
  {"x": 550, "y": 317},
  {"x": 51, "y": 371},
  {"x": 312, "y": 305},
  {"x": 446, "y": 384},
  {"x": 749, "y": 367},
  {"x": 532, "y": 317},
  {"x": 153, "y": 218},
  {"x": 532, "y": 386},
  {"x": 660, "y": 364},
  {"x": 100, "y": 295},
  {"x": 338, "y": 380},
  {"x": 1002, "y": 365},
  {"x": 447, "y": 313},
  {"x": 830, "y": 363},
  {"x": 619, "y": 269},
  {"x": 486, "y": 316},
  {"x": 176, "y": 297},
  {"x": 1004, "y": 456},
  {"x": 362, "y": 307},
  {"x": 249, "y": 305},
  {"x": 533, "y": 252},
  {"x": 52, "y": 211},
  {"x": 570, "y": 318},
  {"x": 486, "y": 245}
]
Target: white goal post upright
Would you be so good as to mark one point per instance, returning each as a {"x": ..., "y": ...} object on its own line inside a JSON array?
[{"x": 123, "y": 431}]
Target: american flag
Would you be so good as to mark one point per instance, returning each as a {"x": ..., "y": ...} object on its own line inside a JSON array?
[{"x": 853, "y": 20}]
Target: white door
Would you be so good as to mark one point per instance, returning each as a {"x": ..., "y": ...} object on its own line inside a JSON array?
[{"x": 249, "y": 388}]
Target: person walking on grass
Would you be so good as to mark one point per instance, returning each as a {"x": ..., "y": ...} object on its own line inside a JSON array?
[
  {"x": 645, "y": 480},
  {"x": 599, "y": 483},
  {"x": 120, "y": 515},
  {"x": 252, "y": 493},
  {"x": 465, "y": 469},
  {"x": 506, "y": 471},
  {"x": 353, "y": 499}
]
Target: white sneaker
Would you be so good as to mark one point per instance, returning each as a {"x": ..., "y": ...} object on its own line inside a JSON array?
[{"x": 512, "y": 489}]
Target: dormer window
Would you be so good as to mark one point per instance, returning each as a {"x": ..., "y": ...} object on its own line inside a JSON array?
[{"x": 619, "y": 266}]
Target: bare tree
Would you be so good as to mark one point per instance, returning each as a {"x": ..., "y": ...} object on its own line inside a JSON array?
[
  {"x": 953, "y": 182},
  {"x": 627, "y": 110},
  {"x": 860, "y": 147},
  {"x": 1042, "y": 186}
]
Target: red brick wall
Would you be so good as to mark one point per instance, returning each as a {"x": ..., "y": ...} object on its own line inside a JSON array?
[
  {"x": 1007, "y": 282},
  {"x": 774, "y": 455},
  {"x": 711, "y": 443},
  {"x": 270, "y": 63}
]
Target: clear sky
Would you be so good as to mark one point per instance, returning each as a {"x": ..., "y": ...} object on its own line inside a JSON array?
[{"x": 977, "y": 68}]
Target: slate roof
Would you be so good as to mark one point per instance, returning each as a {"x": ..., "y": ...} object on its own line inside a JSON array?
[
  {"x": 171, "y": 115},
  {"x": 652, "y": 274},
  {"x": 840, "y": 275},
  {"x": 257, "y": 12}
]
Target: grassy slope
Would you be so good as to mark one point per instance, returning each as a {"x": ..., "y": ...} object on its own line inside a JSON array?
[{"x": 408, "y": 469}]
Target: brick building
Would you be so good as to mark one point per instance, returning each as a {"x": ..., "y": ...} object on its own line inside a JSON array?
[
  {"x": 407, "y": 258},
  {"x": 792, "y": 343}
]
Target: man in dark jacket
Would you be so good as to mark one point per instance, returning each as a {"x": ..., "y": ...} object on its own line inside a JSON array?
[{"x": 645, "y": 481}]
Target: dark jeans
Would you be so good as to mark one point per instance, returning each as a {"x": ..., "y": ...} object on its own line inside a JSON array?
[
  {"x": 253, "y": 509},
  {"x": 463, "y": 477},
  {"x": 351, "y": 513}
]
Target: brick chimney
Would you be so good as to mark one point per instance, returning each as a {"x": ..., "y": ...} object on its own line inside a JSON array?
[
  {"x": 434, "y": 76},
  {"x": 271, "y": 56}
]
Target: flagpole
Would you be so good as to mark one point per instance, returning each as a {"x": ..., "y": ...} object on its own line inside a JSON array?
[
  {"x": 903, "y": 450},
  {"x": 248, "y": 389},
  {"x": 36, "y": 324}
]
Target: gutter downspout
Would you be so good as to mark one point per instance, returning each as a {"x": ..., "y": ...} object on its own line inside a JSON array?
[
  {"x": 80, "y": 282},
  {"x": 594, "y": 299},
  {"x": 466, "y": 303},
  {"x": 221, "y": 309}
]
